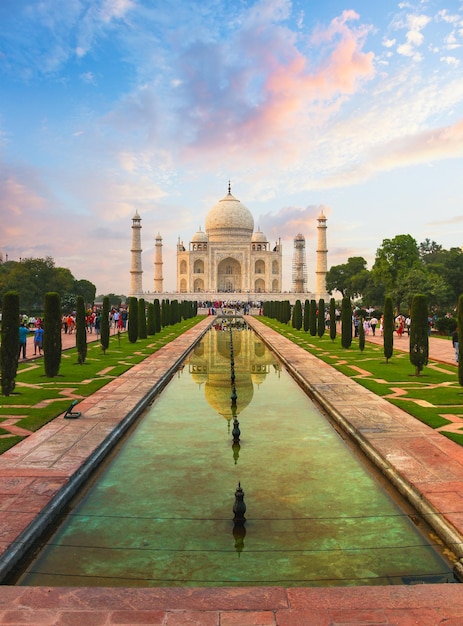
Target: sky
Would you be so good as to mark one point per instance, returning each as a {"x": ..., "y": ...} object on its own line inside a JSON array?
[{"x": 107, "y": 107}]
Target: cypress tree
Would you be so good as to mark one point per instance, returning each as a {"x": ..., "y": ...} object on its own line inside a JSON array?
[
  {"x": 174, "y": 312},
  {"x": 297, "y": 315},
  {"x": 104, "y": 326},
  {"x": 419, "y": 340},
  {"x": 81, "y": 331},
  {"x": 52, "y": 334},
  {"x": 157, "y": 315},
  {"x": 388, "y": 328},
  {"x": 142, "y": 331},
  {"x": 346, "y": 323},
  {"x": 133, "y": 319},
  {"x": 332, "y": 319},
  {"x": 361, "y": 335},
  {"x": 313, "y": 318},
  {"x": 151, "y": 325},
  {"x": 306, "y": 315},
  {"x": 9, "y": 349},
  {"x": 321, "y": 317},
  {"x": 460, "y": 339}
]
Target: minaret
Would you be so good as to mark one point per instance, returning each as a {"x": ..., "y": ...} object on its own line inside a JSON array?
[
  {"x": 322, "y": 257},
  {"x": 299, "y": 265},
  {"x": 136, "y": 271},
  {"x": 158, "y": 264}
]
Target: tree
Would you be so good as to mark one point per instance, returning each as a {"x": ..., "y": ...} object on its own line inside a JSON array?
[
  {"x": 157, "y": 315},
  {"x": 332, "y": 319},
  {"x": 349, "y": 278},
  {"x": 52, "y": 334},
  {"x": 460, "y": 339},
  {"x": 104, "y": 330},
  {"x": 142, "y": 331},
  {"x": 395, "y": 258},
  {"x": 321, "y": 317},
  {"x": 81, "y": 331},
  {"x": 419, "y": 340},
  {"x": 361, "y": 334},
  {"x": 297, "y": 315},
  {"x": 133, "y": 319},
  {"x": 151, "y": 325},
  {"x": 306, "y": 315},
  {"x": 346, "y": 323},
  {"x": 313, "y": 318},
  {"x": 9, "y": 349},
  {"x": 86, "y": 289},
  {"x": 388, "y": 328}
]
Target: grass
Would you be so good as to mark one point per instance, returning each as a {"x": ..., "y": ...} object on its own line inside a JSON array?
[
  {"x": 40, "y": 399},
  {"x": 433, "y": 397}
]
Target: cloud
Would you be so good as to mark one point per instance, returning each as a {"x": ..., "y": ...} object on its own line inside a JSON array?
[{"x": 289, "y": 221}]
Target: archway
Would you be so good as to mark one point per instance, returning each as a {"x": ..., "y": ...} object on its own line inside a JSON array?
[
  {"x": 198, "y": 285},
  {"x": 275, "y": 287},
  {"x": 183, "y": 267},
  {"x": 199, "y": 267},
  {"x": 259, "y": 267},
  {"x": 229, "y": 275},
  {"x": 260, "y": 285},
  {"x": 183, "y": 285}
]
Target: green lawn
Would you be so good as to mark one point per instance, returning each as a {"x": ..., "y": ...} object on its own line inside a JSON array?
[
  {"x": 40, "y": 399},
  {"x": 429, "y": 397}
]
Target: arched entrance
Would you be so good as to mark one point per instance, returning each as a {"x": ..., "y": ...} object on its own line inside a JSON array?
[{"x": 229, "y": 275}]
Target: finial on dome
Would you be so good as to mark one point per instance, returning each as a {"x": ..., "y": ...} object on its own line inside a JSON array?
[{"x": 229, "y": 188}]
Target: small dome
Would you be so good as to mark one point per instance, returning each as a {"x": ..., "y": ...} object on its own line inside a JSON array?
[
  {"x": 258, "y": 237},
  {"x": 299, "y": 237},
  {"x": 229, "y": 219},
  {"x": 199, "y": 237}
]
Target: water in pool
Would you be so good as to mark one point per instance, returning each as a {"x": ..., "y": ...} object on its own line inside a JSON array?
[{"x": 161, "y": 511}]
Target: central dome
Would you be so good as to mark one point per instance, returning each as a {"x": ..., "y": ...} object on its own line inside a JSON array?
[{"x": 229, "y": 220}]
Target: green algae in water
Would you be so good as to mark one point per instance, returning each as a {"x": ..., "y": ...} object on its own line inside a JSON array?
[{"x": 161, "y": 514}]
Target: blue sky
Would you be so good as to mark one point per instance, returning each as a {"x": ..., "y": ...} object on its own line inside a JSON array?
[{"x": 108, "y": 107}]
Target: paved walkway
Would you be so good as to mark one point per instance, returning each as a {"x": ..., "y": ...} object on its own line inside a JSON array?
[{"x": 37, "y": 475}]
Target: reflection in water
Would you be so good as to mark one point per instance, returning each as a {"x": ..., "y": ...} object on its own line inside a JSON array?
[{"x": 160, "y": 512}]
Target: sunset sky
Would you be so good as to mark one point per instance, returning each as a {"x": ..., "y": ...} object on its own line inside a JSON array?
[{"x": 108, "y": 107}]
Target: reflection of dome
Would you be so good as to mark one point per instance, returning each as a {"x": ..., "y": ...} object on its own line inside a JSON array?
[
  {"x": 229, "y": 218},
  {"x": 258, "y": 378},
  {"x": 217, "y": 392},
  {"x": 258, "y": 237},
  {"x": 199, "y": 237}
]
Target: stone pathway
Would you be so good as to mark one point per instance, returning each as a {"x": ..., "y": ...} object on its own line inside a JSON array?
[{"x": 40, "y": 472}]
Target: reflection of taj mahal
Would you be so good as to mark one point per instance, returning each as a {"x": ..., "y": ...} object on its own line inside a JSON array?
[{"x": 230, "y": 256}]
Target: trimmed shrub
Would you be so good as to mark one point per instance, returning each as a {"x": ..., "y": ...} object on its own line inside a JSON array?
[
  {"x": 52, "y": 334},
  {"x": 306, "y": 315},
  {"x": 313, "y": 318},
  {"x": 151, "y": 325},
  {"x": 142, "y": 330},
  {"x": 133, "y": 319},
  {"x": 388, "y": 328},
  {"x": 104, "y": 330},
  {"x": 332, "y": 319},
  {"x": 419, "y": 339},
  {"x": 361, "y": 335},
  {"x": 460, "y": 339},
  {"x": 81, "y": 330},
  {"x": 297, "y": 315},
  {"x": 321, "y": 317},
  {"x": 157, "y": 315},
  {"x": 9, "y": 349},
  {"x": 346, "y": 323}
]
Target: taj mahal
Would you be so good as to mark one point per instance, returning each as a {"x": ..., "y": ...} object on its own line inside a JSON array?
[{"x": 230, "y": 260}]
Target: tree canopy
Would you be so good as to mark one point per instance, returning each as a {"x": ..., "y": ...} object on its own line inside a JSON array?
[
  {"x": 32, "y": 278},
  {"x": 402, "y": 267}
]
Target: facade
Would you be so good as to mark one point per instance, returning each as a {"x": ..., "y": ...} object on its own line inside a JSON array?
[{"x": 229, "y": 257}]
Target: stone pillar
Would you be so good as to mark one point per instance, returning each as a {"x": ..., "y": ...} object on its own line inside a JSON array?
[
  {"x": 322, "y": 258},
  {"x": 136, "y": 271},
  {"x": 158, "y": 264}
]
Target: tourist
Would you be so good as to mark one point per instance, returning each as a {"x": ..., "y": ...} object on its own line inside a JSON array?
[
  {"x": 455, "y": 343},
  {"x": 373, "y": 325},
  {"x": 23, "y": 332},
  {"x": 38, "y": 339}
]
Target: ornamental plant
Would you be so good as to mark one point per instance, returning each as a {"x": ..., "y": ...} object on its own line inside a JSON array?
[
  {"x": 388, "y": 328},
  {"x": 346, "y": 323},
  {"x": 52, "y": 334},
  {"x": 81, "y": 331},
  {"x": 419, "y": 339},
  {"x": 9, "y": 349},
  {"x": 104, "y": 329}
]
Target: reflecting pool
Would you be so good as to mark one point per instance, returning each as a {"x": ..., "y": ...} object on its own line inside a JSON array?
[{"x": 161, "y": 511}]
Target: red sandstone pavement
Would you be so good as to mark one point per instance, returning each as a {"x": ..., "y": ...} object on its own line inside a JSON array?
[{"x": 422, "y": 462}]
